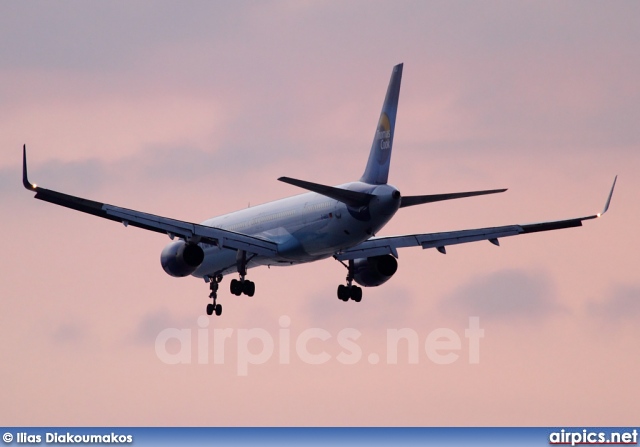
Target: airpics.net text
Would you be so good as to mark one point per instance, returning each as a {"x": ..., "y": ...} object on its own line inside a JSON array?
[{"x": 258, "y": 346}]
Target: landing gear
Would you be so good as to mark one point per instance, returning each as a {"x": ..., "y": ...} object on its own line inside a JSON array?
[
  {"x": 238, "y": 287},
  {"x": 343, "y": 292},
  {"x": 350, "y": 290},
  {"x": 346, "y": 292},
  {"x": 214, "y": 307},
  {"x": 248, "y": 287},
  {"x": 356, "y": 293}
]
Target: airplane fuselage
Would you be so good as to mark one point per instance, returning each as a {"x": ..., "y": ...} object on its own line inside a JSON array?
[{"x": 307, "y": 227}]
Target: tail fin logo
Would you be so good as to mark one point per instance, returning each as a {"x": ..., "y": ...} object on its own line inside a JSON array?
[
  {"x": 377, "y": 169},
  {"x": 384, "y": 132}
]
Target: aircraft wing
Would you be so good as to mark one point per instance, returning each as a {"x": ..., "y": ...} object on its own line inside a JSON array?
[
  {"x": 172, "y": 227},
  {"x": 377, "y": 246}
]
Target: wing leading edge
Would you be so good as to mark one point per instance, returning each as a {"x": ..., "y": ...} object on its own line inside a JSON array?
[
  {"x": 388, "y": 245},
  {"x": 172, "y": 227}
]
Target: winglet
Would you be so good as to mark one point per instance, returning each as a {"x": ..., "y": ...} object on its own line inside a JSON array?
[
  {"x": 25, "y": 179},
  {"x": 606, "y": 206}
]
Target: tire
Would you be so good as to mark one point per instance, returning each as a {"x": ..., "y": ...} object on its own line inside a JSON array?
[
  {"x": 356, "y": 294},
  {"x": 236, "y": 287},
  {"x": 343, "y": 292},
  {"x": 218, "y": 309},
  {"x": 210, "y": 309},
  {"x": 249, "y": 288}
]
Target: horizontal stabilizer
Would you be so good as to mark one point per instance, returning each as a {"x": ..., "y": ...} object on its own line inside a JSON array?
[
  {"x": 351, "y": 198},
  {"x": 418, "y": 200}
]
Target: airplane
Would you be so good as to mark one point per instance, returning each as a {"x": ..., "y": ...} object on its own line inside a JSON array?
[{"x": 339, "y": 222}]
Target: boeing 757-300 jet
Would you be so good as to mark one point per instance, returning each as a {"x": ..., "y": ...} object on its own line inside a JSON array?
[{"x": 339, "y": 222}]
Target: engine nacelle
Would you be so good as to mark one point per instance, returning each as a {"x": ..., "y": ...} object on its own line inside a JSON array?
[
  {"x": 181, "y": 258},
  {"x": 373, "y": 271}
]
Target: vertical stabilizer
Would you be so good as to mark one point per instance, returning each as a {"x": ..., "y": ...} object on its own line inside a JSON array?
[{"x": 377, "y": 170}]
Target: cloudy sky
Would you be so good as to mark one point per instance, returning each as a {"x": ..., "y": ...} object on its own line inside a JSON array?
[{"x": 194, "y": 109}]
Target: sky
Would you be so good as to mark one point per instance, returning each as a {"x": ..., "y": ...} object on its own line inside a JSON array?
[{"x": 194, "y": 109}]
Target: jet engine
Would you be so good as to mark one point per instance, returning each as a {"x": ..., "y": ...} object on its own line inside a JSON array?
[
  {"x": 373, "y": 271},
  {"x": 181, "y": 258}
]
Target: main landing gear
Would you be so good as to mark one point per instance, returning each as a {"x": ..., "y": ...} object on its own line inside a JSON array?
[
  {"x": 238, "y": 287},
  {"x": 350, "y": 291}
]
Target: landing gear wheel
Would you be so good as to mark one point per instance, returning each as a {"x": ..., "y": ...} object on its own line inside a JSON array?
[
  {"x": 236, "y": 287},
  {"x": 343, "y": 292},
  {"x": 356, "y": 293},
  {"x": 218, "y": 309},
  {"x": 248, "y": 287},
  {"x": 210, "y": 309}
]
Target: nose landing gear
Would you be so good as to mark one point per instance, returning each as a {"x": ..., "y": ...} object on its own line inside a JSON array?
[{"x": 214, "y": 307}]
